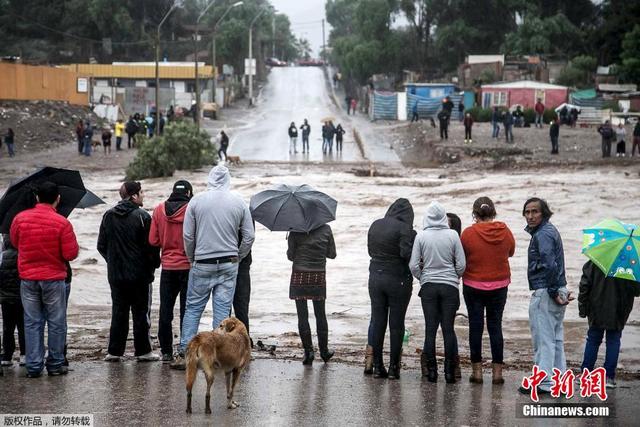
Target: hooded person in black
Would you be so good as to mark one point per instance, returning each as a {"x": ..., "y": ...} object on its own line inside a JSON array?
[
  {"x": 390, "y": 242},
  {"x": 123, "y": 242}
]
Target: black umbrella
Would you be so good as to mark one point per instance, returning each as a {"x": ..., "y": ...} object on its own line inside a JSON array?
[
  {"x": 89, "y": 200},
  {"x": 21, "y": 194},
  {"x": 293, "y": 208}
]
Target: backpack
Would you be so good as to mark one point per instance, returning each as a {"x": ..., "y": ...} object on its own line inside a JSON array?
[{"x": 607, "y": 132}]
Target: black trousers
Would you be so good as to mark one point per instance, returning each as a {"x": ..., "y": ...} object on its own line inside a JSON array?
[
  {"x": 172, "y": 284},
  {"x": 130, "y": 137},
  {"x": 221, "y": 151},
  {"x": 390, "y": 296},
  {"x": 554, "y": 144},
  {"x": 414, "y": 117},
  {"x": 439, "y": 305},
  {"x": 338, "y": 143},
  {"x": 444, "y": 132},
  {"x": 80, "y": 145},
  {"x": 134, "y": 297},
  {"x": 118, "y": 143},
  {"x": 12, "y": 318},
  {"x": 242, "y": 296},
  {"x": 606, "y": 148},
  {"x": 303, "y": 316},
  {"x": 493, "y": 302},
  {"x": 467, "y": 133}
]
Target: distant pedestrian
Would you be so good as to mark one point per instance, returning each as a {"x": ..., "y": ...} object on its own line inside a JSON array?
[
  {"x": 438, "y": 261},
  {"x": 354, "y": 105},
  {"x": 518, "y": 117},
  {"x": 170, "y": 114},
  {"x": 608, "y": 134},
  {"x": 549, "y": 296},
  {"x": 414, "y": 111},
  {"x": 106, "y": 140},
  {"x": 332, "y": 134},
  {"x": 554, "y": 134},
  {"x": 87, "y": 138},
  {"x": 607, "y": 303},
  {"x": 44, "y": 240},
  {"x": 461, "y": 111},
  {"x": 224, "y": 144},
  {"x": 539, "y": 110},
  {"x": 293, "y": 138},
  {"x": 9, "y": 140},
  {"x": 495, "y": 122},
  {"x": 131, "y": 128},
  {"x": 123, "y": 241},
  {"x": 507, "y": 120},
  {"x": 214, "y": 223},
  {"x": 309, "y": 253},
  {"x": 573, "y": 116},
  {"x": 636, "y": 139},
  {"x": 161, "y": 123},
  {"x": 12, "y": 311},
  {"x": 447, "y": 105},
  {"x": 166, "y": 233},
  {"x": 326, "y": 137},
  {"x": 80, "y": 136},
  {"x": 488, "y": 245},
  {"x": 119, "y": 130},
  {"x": 468, "y": 125},
  {"x": 621, "y": 145},
  {"x": 443, "y": 120},
  {"x": 339, "y": 134},
  {"x": 306, "y": 130},
  {"x": 347, "y": 100},
  {"x": 390, "y": 242}
]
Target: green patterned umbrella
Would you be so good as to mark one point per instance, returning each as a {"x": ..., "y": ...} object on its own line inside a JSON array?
[{"x": 612, "y": 246}]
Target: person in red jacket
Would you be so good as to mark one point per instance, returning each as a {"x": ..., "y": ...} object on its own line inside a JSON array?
[
  {"x": 539, "y": 109},
  {"x": 166, "y": 233},
  {"x": 488, "y": 245},
  {"x": 45, "y": 242}
]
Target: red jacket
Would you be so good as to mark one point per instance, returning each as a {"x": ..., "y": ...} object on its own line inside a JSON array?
[
  {"x": 487, "y": 248},
  {"x": 45, "y": 241},
  {"x": 166, "y": 232},
  {"x": 539, "y": 107}
]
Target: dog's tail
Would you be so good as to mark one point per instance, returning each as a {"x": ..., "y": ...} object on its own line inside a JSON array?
[{"x": 192, "y": 362}]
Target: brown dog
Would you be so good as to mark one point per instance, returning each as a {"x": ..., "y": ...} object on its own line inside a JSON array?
[
  {"x": 234, "y": 160},
  {"x": 225, "y": 349}
]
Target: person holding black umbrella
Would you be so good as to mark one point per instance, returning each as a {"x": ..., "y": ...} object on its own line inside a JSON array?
[
  {"x": 123, "y": 241},
  {"x": 309, "y": 253},
  {"x": 45, "y": 240}
]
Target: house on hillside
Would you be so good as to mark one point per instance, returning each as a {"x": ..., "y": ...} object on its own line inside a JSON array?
[{"x": 524, "y": 93}]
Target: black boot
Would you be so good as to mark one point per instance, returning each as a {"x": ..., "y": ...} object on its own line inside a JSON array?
[
  {"x": 450, "y": 371},
  {"x": 424, "y": 366},
  {"x": 323, "y": 345},
  {"x": 432, "y": 369},
  {"x": 394, "y": 372},
  {"x": 307, "y": 343},
  {"x": 379, "y": 370},
  {"x": 394, "y": 364}
]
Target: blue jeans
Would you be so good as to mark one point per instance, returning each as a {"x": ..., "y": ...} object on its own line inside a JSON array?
[
  {"x": 508, "y": 133},
  {"x": 594, "y": 339},
  {"x": 217, "y": 280},
  {"x": 496, "y": 130},
  {"x": 547, "y": 333},
  {"x": 326, "y": 144},
  {"x": 538, "y": 120},
  {"x": 44, "y": 301}
]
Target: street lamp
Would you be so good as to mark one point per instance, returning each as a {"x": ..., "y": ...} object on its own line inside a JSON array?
[
  {"x": 251, "y": 68},
  {"x": 213, "y": 48},
  {"x": 196, "y": 117},
  {"x": 273, "y": 33},
  {"x": 174, "y": 6}
]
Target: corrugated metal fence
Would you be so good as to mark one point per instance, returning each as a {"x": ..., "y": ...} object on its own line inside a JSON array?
[
  {"x": 385, "y": 106},
  {"x": 429, "y": 107},
  {"x": 26, "y": 82}
]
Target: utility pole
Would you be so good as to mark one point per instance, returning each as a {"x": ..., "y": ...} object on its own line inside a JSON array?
[
  {"x": 251, "y": 67},
  {"x": 196, "y": 118},
  {"x": 323, "y": 45},
  {"x": 157, "y": 118},
  {"x": 273, "y": 36},
  {"x": 213, "y": 48}
]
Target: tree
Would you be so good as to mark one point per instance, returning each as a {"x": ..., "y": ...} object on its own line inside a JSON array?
[
  {"x": 630, "y": 68},
  {"x": 552, "y": 35},
  {"x": 579, "y": 72}
]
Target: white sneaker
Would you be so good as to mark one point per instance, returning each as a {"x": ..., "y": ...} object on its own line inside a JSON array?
[
  {"x": 23, "y": 360},
  {"x": 611, "y": 383},
  {"x": 111, "y": 358},
  {"x": 6, "y": 363},
  {"x": 149, "y": 357}
]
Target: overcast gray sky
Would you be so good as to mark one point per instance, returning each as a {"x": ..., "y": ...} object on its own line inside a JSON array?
[{"x": 305, "y": 17}]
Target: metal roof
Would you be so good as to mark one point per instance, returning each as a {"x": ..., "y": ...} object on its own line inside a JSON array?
[{"x": 136, "y": 71}]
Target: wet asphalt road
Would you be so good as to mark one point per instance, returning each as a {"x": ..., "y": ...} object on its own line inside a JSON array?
[
  {"x": 282, "y": 393},
  {"x": 291, "y": 95}
]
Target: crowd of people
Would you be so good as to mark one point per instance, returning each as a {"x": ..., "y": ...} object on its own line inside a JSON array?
[
  {"x": 329, "y": 132},
  {"x": 203, "y": 244}
]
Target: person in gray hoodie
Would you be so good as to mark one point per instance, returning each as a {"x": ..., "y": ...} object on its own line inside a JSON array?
[
  {"x": 438, "y": 262},
  {"x": 213, "y": 222}
]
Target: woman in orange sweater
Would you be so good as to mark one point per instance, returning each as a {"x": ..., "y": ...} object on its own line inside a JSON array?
[{"x": 487, "y": 244}]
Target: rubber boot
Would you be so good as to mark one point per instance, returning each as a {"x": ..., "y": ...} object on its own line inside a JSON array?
[
  {"x": 394, "y": 367},
  {"x": 368, "y": 360},
  {"x": 449, "y": 371},
  {"x": 429, "y": 368},
  {"x": 424, "y": 366},
  {"x": 307, "y": 343},
  {"x": 497, "y": 373},
  {"x": 476, "y": 373},
  {"x": 323, "y": 345},
  {"x": 458, "y": 372}
]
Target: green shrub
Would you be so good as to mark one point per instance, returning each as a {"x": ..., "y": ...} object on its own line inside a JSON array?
[
  {"x": 548, "y": 115},
  {"x": 480, "y": 114},
  {"x": 529, "y": 115},
  {"x": 181, "y": 147}
]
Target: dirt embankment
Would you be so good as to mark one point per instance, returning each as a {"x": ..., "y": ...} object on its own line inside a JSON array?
[
  {"x": 39, "y": 125},
  {"x": 419, "y": 145}
]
